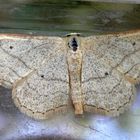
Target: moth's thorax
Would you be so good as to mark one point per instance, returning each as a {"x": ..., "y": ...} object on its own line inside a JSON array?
[{"x": 74, "y": 54}]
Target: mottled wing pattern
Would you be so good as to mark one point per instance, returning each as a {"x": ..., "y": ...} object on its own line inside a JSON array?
[
  {"x": 36, "y": 69},
  {"x": 110, "y": 68},
  {"x": 21, "y": 54},
  {"x": 120, "y": 51}
]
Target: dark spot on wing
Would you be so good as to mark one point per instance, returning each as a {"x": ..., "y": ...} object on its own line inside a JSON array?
[
  {"x": 106, "y": 73},
  {"x": 11, "y": 47},
  {"x": 134, "y": 43},
  {"x": 42, "y": 76}
]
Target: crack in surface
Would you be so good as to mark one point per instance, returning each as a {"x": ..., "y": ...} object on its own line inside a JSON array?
[{"x": 93, "y": 129}]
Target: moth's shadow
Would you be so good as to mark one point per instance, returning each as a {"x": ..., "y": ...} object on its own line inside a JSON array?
[{"x": 6, "y": 104}]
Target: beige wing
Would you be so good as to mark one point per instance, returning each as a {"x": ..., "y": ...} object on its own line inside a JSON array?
[
  {"x": 19, "y": 55},
  {"x": 120, "y": 51},
  {"x": 111, "y": 64},
  {"x": 36, "y": 68}
]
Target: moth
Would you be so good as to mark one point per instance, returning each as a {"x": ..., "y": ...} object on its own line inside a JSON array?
[{"x": 49, "y": 74}]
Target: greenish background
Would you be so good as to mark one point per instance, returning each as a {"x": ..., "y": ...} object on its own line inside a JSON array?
[{"x": 58, "y": 17}]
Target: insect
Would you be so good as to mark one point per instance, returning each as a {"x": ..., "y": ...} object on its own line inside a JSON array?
[{"x": 50, "y": 74}]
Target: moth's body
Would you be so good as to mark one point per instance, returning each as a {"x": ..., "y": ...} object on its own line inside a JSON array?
[
  {"x": 96, "y": 73},
  {"x": 74, "y": 61}
]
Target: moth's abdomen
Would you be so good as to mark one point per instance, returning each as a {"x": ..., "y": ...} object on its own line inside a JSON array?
[{"x": 74, "y": 65}]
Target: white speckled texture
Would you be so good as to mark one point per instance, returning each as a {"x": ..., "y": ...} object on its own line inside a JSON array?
[
  {"x": 110, "y": 68},
  {"x": 37, "y": 70}
]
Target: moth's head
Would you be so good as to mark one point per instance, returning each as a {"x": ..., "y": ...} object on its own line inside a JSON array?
[{"x": 73, "y": 41}]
